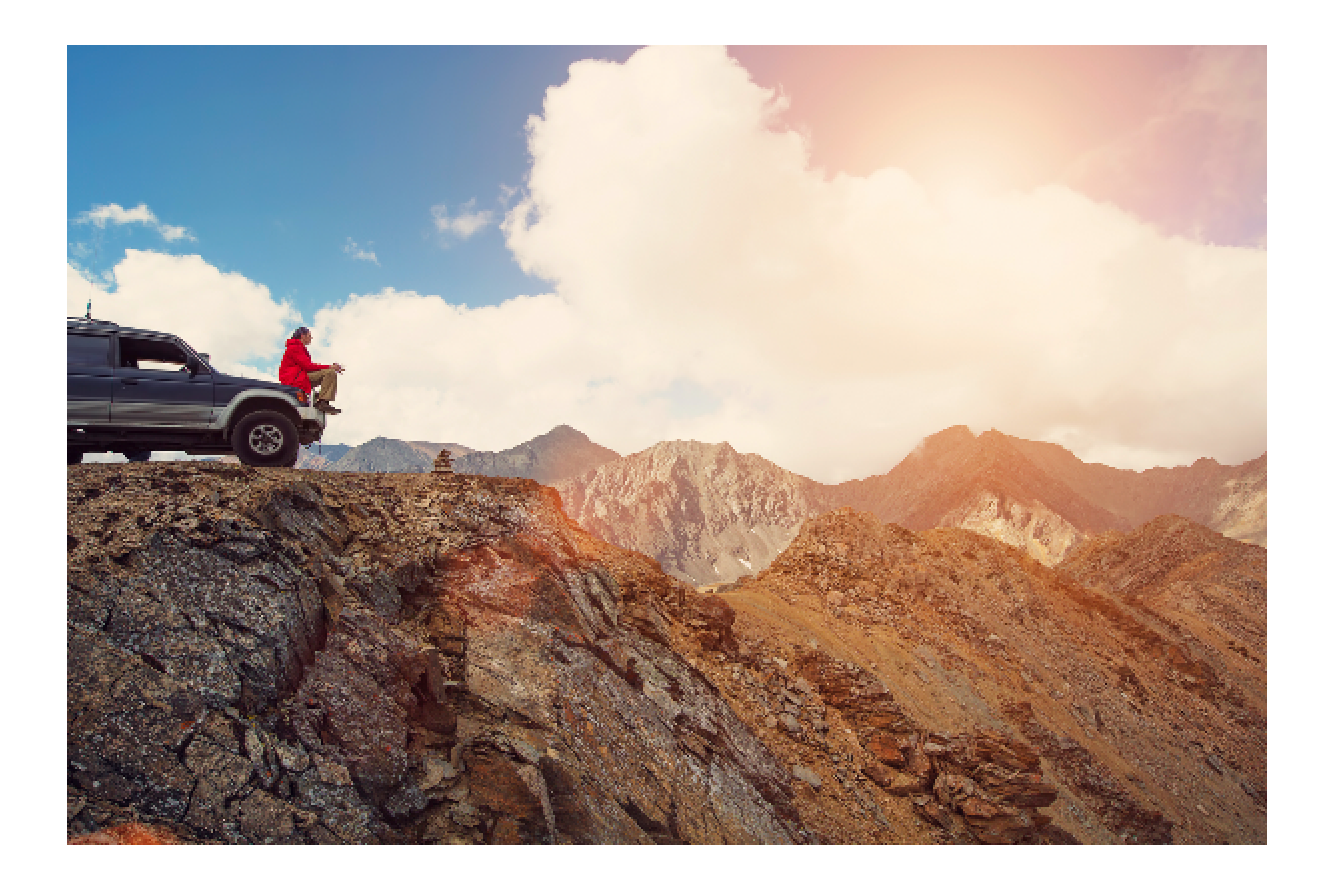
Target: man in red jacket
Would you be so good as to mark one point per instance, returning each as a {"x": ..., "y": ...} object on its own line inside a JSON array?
[{"x": 298, "y": 370}]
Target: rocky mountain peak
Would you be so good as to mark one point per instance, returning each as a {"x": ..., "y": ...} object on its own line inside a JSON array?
[
  {"x": 564, "y": 452},
  {"x": 705, "y": 512},
  {"x": 941, "y": 446}
]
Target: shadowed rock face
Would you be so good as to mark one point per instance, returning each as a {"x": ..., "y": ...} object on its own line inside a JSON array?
[{"x": 277, "y": 656}]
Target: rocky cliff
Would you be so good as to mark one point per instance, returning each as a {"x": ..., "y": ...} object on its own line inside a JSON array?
[
  {"x": 560, "y": 454},
  {"x": 279, "y": 656},
  {"x": 704, "y": 511}
]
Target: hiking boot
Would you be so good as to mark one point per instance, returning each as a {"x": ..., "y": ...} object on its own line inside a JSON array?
[{"x": 326, "y": 407}]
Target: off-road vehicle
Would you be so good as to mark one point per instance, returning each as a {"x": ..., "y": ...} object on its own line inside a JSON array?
[{"x": 139, "y": 391}]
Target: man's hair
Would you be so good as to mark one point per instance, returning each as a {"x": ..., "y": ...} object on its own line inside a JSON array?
[{"x": 300, "y": 332}]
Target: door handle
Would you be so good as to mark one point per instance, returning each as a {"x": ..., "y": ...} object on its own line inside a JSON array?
[{"x": 130, "y": 382}]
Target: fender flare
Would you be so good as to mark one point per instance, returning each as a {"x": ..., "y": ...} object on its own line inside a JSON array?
[{"x": 249, "y": 402}]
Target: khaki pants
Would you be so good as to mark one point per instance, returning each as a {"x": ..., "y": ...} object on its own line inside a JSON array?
[{"x": 327, "y": 380}]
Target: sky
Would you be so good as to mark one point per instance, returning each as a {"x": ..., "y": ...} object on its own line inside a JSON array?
[{"x": 817, "y": 254}]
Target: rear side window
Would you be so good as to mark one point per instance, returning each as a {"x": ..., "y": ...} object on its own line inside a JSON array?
[
  {"x": 146, "y": 354},
  {"x": 88, "y": 350}
]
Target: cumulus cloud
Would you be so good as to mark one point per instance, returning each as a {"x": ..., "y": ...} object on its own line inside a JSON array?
[
  {"x": 102, "y": 215},
  {"x": 465, "y": 223},
  {"x": 232, "y": 318},
  {"x": 354, "y": 250},
  {"x": 836, "y": 320}
]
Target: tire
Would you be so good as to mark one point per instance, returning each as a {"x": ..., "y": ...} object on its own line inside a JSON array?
[
  {"x": 265, "y": 438},
  {"x": 138, "y": 456},
  {"x": 74, "y": 456}
]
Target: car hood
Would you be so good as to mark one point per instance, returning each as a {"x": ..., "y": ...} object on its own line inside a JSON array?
[{"x": 223, "y": 379}]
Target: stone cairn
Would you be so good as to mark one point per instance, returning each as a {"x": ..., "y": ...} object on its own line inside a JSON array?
[{"x": 444, "y": 463}]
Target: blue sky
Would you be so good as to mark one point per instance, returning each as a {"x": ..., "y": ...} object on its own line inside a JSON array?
[
  {"x": 274, "y": 157},
  {"x": 818, "y": 254}
]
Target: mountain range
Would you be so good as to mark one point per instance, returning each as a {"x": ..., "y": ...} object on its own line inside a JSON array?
[
  {"x": 562, "y": 453},
  {"x": 709, "y": 514}
]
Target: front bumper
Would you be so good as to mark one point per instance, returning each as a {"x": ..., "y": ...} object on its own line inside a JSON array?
[{"x": 312, "y": 425}]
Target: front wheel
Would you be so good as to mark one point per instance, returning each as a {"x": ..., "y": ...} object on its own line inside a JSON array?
[
  {"x": 137, "y": 456},
  {"x": 265, "y": 438}
]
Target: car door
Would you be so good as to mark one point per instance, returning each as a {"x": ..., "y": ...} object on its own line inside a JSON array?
[
  {"x": 158, "y": 382},
  {"x": 88, "y": 378}
]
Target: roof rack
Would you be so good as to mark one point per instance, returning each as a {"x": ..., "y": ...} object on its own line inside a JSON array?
[{"x": 80, "y": 319}]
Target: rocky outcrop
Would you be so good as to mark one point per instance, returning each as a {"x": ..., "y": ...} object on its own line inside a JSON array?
[
  {"x": 705, "y": 512},
  {"x": 276, "y": 656},
  {"x": 563, "y": 453},
  {"x": 972, "y": 680}
]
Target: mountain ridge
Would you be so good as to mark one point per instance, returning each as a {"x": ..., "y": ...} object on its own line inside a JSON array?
[
  {"x": 1033, "y": 495},
  {"x": 710, "y": 514}
]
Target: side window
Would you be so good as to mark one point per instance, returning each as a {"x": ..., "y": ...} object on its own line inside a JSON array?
[
  {"x": 88, "y": 350},
  {"x": 146, "y": 354}
]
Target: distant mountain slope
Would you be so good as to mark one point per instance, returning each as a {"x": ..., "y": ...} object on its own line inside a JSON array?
[
  {"x": 705, "y": 512},
  {"x": 321, "y": 456},
  {"x": 986, "y": 484},
  {"x": 562, "y": 453},
  {"x": 1229, "y": 499},
  {"x": 391, "y": 455}
]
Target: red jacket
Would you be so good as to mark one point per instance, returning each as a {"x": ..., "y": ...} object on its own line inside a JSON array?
[{"x": 296, "y": 364}]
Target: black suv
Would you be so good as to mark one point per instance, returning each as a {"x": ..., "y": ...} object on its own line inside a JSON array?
[{"x": 139, "y": 391}]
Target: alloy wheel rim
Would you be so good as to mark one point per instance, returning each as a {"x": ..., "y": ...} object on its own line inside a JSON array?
[{"x": 266, "y": 439}]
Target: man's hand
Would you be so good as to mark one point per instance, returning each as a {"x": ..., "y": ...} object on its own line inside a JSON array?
[{"x": 338, "y": 368}]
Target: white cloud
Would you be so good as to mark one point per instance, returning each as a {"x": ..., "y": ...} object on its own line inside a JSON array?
[
  {"x": 102, "y": 215},
  {"x": 225, "y": 314},
  {"x": 352, "y": 249},
  {"x": 467, "y": 222},
  {"x": 837, "y": 320}
]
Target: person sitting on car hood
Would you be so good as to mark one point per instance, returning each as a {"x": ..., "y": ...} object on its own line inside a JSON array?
[{"x": 298, "y": 370}]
